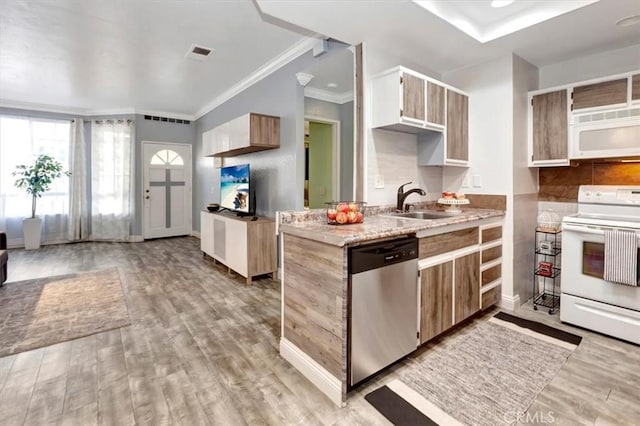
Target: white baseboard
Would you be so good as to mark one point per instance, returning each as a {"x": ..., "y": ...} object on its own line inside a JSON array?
[
  {"x": 318, "y": 375},
  {"x": 195, "y": 234},
  {"x": 510, "y": 303},
  {"x": 135, "y": 238}
]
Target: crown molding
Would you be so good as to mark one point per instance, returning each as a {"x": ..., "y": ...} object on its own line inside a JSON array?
[
  {"x": 110, "y": 111},
  {"x": 5, "y": 103},
  {"x": 294, "y": 52},
  {"x": 325, "y": 95}
]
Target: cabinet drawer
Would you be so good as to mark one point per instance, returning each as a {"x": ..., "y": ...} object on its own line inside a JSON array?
[
  {"x": 491, "y": 234},
  {"x": 491, "y": 297},
  {"x": 443, "y": 243},
  {"x": 491, "y": 254},
  {"x": 491, "y": 274}
]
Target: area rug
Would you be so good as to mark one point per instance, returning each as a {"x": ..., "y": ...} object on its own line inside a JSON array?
[
  {"x": 44, "y": 311},
  {"x": 487, "y": 375}
]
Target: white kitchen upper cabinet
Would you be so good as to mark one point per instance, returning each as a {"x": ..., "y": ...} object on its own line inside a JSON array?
[
  {"x": 406, "y": 101},
  {"x": 248, "y": 133},
  {"x": 400, "y": 101}
]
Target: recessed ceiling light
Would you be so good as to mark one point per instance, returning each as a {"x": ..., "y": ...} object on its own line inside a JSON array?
[
  {"x": 332, "y": 85},
  {"x": 501, "y": 3},
  {"x": 628, "y": 21}
]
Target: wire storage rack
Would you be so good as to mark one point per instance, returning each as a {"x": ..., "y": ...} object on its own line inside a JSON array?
[{"x": 546, "y": 274}]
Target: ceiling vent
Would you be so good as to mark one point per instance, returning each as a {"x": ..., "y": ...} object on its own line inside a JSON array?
[
  {"x": 199, "y": 53},
  {"x": 167, "y": 119}
]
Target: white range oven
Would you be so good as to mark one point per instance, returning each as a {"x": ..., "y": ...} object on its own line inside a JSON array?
[{"x": 587, "y": 300}]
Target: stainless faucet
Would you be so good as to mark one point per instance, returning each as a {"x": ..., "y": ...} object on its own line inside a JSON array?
[{"x": 403, "y": 195}]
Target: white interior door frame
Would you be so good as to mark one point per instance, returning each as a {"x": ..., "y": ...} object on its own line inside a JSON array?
[
  {"x": 335, "y": 151},
  {"x": 189, "y": 180}
]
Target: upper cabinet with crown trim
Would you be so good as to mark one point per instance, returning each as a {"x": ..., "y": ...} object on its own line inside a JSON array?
[{"x": 409, "y": 102}]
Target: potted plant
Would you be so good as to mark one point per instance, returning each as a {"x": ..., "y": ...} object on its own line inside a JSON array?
[{"x": 36, "y": 180}]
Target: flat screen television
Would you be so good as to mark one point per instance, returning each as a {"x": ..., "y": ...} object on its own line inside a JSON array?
[{"x": 235, "y": 190}]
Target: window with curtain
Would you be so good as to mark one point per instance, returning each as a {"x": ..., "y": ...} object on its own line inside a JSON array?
[
  {"x": 21, "y": 141},
  {"x": 112, "y": 179}
]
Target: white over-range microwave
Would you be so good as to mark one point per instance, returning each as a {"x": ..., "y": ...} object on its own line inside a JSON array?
[{"x": 607, "y": 134}]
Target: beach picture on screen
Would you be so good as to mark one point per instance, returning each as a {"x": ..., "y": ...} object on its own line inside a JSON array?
[{"x": 234, "y": 188}]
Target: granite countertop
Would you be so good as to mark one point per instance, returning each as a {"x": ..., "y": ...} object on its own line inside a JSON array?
[{"x": 380, "y": 226}]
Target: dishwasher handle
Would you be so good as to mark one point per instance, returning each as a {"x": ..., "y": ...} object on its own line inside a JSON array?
[{"x": 378, "y": 255}]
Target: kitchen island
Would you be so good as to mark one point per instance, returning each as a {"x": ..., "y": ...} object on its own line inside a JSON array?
[{"x": 455, "y": 253}]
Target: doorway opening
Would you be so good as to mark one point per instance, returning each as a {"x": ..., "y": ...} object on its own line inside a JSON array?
[{"x": 322, "y": 161}]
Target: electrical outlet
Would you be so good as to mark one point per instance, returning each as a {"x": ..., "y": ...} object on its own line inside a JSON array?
[
  {"x": 477, "y": 181},
  {"x": 465, "y": 181},
  {"x": 379, "y": 181}
]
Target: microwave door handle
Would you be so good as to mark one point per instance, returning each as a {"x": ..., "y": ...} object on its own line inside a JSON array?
[{"x": 583, "y": 229}]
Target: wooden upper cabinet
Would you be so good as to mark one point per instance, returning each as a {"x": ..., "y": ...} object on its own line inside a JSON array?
[
  {"x": 635, "y": 87},
  {"x": 413, "y": 106},
  {"x": 550, "y": 126},
  {"x": 435, "y": 103},
  {"x": 248, "y": 133},
  {"x": 467, "y": 286},
  {"x": 457, "y": 126},
  {"x": 600, "y": 94}
]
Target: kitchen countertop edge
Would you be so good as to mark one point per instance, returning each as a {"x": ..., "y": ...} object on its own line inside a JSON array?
[{"x": 379, "y": 227}]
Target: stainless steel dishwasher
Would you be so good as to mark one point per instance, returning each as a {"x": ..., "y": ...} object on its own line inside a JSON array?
[{"x": 383, "y": 280}]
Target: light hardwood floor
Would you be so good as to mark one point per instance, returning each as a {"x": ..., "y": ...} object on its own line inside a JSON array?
[{"x": 202, "y": 348}]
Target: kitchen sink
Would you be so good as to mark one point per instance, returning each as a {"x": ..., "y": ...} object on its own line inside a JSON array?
[{"x": 422, "y": 215}]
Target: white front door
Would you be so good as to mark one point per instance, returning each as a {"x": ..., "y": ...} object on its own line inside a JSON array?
[{"x": 166, "y": 189}]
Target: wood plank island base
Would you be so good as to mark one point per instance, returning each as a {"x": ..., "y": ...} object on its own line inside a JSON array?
[{"x": 316, "y": 285}]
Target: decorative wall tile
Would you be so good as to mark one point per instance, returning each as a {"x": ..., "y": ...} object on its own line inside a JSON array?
[{"x": 562, "y": 183}]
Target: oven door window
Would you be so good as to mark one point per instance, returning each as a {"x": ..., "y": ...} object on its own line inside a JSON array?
[{"x": 593, "y": 259}]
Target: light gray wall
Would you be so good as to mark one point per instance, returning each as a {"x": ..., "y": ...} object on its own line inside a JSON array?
[
  {"x": 346, "y": 150},
  {"x": 145, "y": 130},
  {"x": 344, "y": 114},
  {"x": 158, "y": 131},
  {"x": 277, "y": 175}
]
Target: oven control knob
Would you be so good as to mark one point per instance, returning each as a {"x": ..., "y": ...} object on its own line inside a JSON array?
[
  {"x": 588, "y": 194},
  {"x": 598, "y": 194}
]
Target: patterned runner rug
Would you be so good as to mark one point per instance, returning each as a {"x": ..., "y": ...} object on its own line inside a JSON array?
[
  {"x": 44, "y": 311},
  {"x": 487, "y": 375}
]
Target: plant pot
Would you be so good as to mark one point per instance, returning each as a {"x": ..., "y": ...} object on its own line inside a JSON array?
[{"x": 32, "y": 229}]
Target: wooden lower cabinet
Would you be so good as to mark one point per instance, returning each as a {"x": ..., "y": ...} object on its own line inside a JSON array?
[
  {"x": 436, "y": 300},
  {"x": 491, "y": 297},
  {"x": 467, "y": 286},
  {"x": 450, "y": 293}
]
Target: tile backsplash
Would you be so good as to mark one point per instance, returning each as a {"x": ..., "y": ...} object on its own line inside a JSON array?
[{"x": 561, "y": 183}]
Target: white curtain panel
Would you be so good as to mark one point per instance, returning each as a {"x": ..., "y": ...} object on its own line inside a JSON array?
[
  {"x": 22, "y": 139},
  {"x": 78, "y": 201},
  {"x": 112, "y": 179}
]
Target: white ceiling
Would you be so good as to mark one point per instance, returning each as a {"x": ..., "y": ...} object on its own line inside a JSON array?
[
  {"x": 91, "y": 55},
  {"x": 97, "y": 55},
  {"x": 338, "y": 70},
  {"x": 485, "y": 22},
  {"x": 407, "y": 30}
]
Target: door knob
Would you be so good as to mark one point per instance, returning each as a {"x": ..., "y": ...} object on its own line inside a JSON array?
[{"x": 147, "y": 197}]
